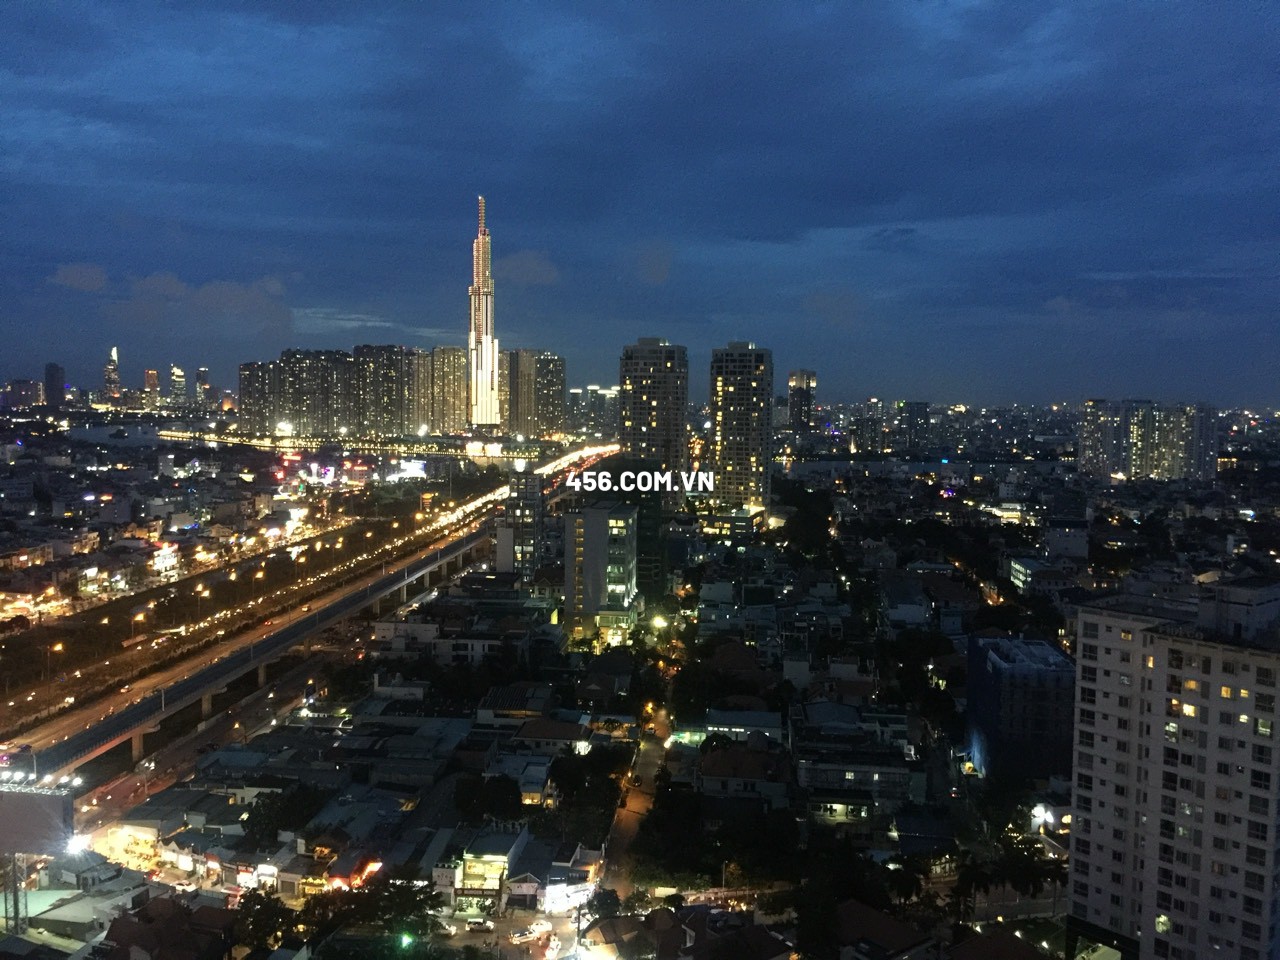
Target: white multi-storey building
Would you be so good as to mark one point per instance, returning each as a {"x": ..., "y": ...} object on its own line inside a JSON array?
[{"x": 1177, "y": 793}]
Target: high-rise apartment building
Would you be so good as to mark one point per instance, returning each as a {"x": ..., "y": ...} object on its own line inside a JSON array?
[
  {"x": 549, "y": 397},
  {"x": 1176, "y": 806},
  {"x": 801, "y": 387},
  {"x": 653, "y": 393},
  {"x": 55, "y": 385},
  {"x": 449, "y": 410},
  {"x": 482, "y": 345},
  {"x": 504, "y": 392},
  {"x": 521, "y": 533},
  {"x": 383, "y": 388},
  {"x": 258, "y": 395},
  {"x": 1140, "y": 439},
  {"x": 522, "y": 394},
  {"x": 316, "y": 394},
  {"x": 600, "y": 571},
  {"x": 741, "y": 443},
  {"x": 1100, "y": 440},
  {"x": 912, "y": 424},
  {"x": 421, "y": 378}
]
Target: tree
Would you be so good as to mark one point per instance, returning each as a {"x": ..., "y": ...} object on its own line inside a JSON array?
[
  {"x": 605, "y": 902},
  {"x": 674, "y": 900},
  {"x": 261, "y": 919},
  {"x": 637, "y": 901}
]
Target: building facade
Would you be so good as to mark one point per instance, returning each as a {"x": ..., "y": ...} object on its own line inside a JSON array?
[
  {"x": 1177, "y": 791},
  {"x": 653, "y": 392},
  {"x": 741, "y": 441},
  {"x": 482, "y": 345}
]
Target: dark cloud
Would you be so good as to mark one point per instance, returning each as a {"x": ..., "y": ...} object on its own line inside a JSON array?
[
  {"x": 974, "y": 186},
  {"x": 85, "y": 277},
  {"x": 526, "y": 268}
]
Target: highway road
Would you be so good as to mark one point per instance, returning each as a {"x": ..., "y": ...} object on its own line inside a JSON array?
[{"x": 77, "y": 734}]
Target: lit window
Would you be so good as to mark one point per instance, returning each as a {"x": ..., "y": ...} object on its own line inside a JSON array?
[
  {"x": 1226, "y": 693},
  {"x": 1188, "y": 709}
]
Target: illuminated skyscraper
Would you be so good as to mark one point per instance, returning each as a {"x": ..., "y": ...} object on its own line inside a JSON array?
[
  {"x": 177, "y": 386},
  {"x": 801, "y": 386},
  {"x": 111, "y": 375},
  {"x": 482, "y": 345},
  {"x": 741, "y": 444},
  {"x": 151, "y": 388}
]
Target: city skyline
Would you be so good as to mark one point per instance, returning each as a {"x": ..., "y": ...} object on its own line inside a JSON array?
[{"x": 955, "y": 202}]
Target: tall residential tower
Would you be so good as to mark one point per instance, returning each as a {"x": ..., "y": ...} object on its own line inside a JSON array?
[{"x": 482, "y": 345}]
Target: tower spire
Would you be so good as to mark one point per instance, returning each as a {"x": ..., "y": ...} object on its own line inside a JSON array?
[{"x": 482, "y": 230}]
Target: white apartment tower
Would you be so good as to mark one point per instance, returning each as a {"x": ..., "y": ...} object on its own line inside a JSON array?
[
  {"x": 1176, "y": 807},
  {"x": 482, "y": 345}
]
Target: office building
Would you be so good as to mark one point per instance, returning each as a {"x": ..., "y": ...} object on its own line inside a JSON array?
[
  {"x": 55, "y": 385},
  {"x": 600, "y": 571},
  {"x": 111, "y": 376},
  {"x": 801, "y": 387},
  {"x": 449, "y": 410},
  {"x": 741, "y": 443},
  {"x": 206, "y": 396},
  {"x": 549, "y": 398},
  {"x": 482, "y": 345},
  {"x": 151, "y": 389},
  {"x": 1021, "y": 707},
  {"x": 177, "y": 386},
  {"x": 653, "y": 392},
  {"x": 1175, "y": 844}
]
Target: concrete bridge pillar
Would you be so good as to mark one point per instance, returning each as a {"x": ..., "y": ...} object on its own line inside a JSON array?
[
  {"x": 136, "y": 743},
  {"x": 206, "y": 706},
  {"x": 262, "y": 675},
  {"x": 403, "y": 593}
]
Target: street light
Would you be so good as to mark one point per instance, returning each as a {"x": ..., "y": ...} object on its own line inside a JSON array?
[{"x": 48, "y": 661}]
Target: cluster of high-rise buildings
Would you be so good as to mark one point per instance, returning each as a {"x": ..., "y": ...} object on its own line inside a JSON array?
[
  {"x": 1140, "y": 440},
  {"x": 394, "y": 391},
  {"x": 653, "y": 399}
]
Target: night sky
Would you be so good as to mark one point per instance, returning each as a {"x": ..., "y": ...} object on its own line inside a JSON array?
[{"x": 951, "y": 201}]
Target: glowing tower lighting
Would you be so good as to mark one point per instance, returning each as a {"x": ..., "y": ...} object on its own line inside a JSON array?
[{"x": 482, "y": 346}]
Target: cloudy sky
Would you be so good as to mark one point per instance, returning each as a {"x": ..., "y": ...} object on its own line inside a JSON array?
[{"x": 933, "y": 199}]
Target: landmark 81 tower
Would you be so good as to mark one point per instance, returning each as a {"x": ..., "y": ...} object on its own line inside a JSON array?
[{"x": 482, "y": 346}]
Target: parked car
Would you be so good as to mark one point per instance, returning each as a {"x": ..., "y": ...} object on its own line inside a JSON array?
[
  {"x": 448, "y": 929},
  {"x": 480, "y": 924},
  {"x": 540, "y": 927},
  {"x": 185, "y": 886}
]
